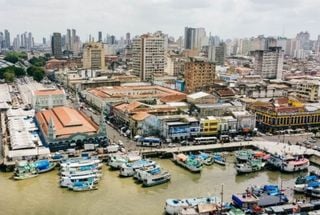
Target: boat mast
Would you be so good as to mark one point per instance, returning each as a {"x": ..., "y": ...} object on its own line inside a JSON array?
[{"x": 221, "y": 197}]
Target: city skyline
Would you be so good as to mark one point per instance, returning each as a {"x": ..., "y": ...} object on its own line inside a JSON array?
[{"x": 228, "y": 19}]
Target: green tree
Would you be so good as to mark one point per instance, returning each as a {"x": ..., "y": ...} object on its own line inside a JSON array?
[
  {"x": 19, "y": 72},
  {"x": 9, "y": 76},
  {"x": 40, "y": 61},
  {"x": 38, "y": 74},
  {"x": 11, "y": 57}
]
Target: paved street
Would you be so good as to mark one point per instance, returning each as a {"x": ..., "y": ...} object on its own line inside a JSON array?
[{"x": 292, "y": 138}]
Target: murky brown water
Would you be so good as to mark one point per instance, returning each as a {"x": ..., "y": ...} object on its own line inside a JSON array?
[{"x": 43, "y": 196}]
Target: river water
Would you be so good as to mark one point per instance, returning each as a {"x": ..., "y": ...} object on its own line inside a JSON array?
[{"x": 43, "y": 196}]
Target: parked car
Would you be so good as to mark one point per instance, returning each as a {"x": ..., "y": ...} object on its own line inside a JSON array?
[
  {"x": 238, "y": 138},
  {"x": 248, "y": 138}
]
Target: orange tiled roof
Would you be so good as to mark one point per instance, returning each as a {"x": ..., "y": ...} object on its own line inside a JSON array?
[
  {"x": 47, "y": 92},
  {"x": 140, "y": 116},
  {"x": 128, "y": 107},
  {"x": 67, "y": 121}
]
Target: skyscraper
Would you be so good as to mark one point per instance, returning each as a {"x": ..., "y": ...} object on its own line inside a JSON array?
[
  {"x": 68, "y": 40},
  {"x": 99, "y": 36},
  {"x": 56, "y": 45},
  {"x": 269, "y": 63},
  {"x": 128, "y": 38},
  {"x": 216, "y": 54},
  {"x": 194, "y": 38},
  {"x": 148, "y": 55},
  {"x": 7, "y": 41}
]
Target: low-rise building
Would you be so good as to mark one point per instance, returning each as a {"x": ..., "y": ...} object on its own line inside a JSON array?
[
  {"x": 201, "y": 98},
  {"x": 222, "y": 109},
  {"x": 209, "y": 126},
  {"x": 246, "y": 122},
  {"x": 285, "y": 113},
  {"x": 306, "y": 90},
  {"x": 227, "y": 125},
  {"x": 25, "y": 142},
  {"x": 147, "y": 94},
  {"x": 48, "y": 98},
  {"x": 64, "y": 127},
  {"x": 178, "y": 127}
]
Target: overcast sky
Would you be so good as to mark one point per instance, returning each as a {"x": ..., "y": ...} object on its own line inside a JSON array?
[{"x": 226, "y": 18}]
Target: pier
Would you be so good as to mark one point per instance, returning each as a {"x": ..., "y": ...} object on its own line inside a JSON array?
[{"x": 266, "y": 146}]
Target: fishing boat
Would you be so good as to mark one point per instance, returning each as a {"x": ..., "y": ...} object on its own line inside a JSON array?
[
  {"x": 83, "y": 186},
  {"x": 193, "y": 165},
  {"x": 219, "y": 159},
  {"x": 25, "y": 170},
  {"x": 206, "y": 159},
  {"x": 43, "y": 166},
  {"x": 69, "y": 181},
  {"x": 302, "y": 182},
  {"x": 256, "y": 198},
  {"x": 117, "y": 160},
  {"x": 250, "y": 166},
  {"x": 175, "y": 206},
  {"x": 235, "y": 211},
  {"x": 289, "y": 163},
  {"x": 82, "y": 168},
  {"x": 244, "y": 155},
  {"x": 129, "y": 169}
]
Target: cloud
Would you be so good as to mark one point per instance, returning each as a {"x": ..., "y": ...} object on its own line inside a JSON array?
[{"x": 227, "y": 18}]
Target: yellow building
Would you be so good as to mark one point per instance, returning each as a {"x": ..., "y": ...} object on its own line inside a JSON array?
[
  {"x": 284, "y": 113},
  {"x": 93, "y": 56},
  {"x": 209, "y": 126}
]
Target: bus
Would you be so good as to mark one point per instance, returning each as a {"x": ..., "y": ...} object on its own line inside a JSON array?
[
  {"x": 205, "y": 140},
  {"x": 149, "y": 141}
]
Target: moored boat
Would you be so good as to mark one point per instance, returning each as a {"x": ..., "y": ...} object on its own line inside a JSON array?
[
  {"x": 193, "y": 165},
  {"x": 82, "y": 186},
  {"x": 156, "y": 179},
  {"x": 175, "y": 206},
  {"x": 244, "y": 155},
  {"x": 117, "y": 160},
  {"x": 302, "y": 182},
  {"x": 43, "y": 166},
  {"x": 206, "y": 158},
  {"x": 24, "y": 170},
  {"x": 79, "y": 162},
  {"x": 250, "y": 166},
  {"x": 219, "y": 159},
  {"x": 129, "y": 169},
  {"x": 289, "y": 163},
  {"x": 69, "y": 181}
]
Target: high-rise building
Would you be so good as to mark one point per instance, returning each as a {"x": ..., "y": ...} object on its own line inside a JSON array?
[
  {"x": 128, "y": 38},
  {"x": 194, "y": 38},
  {"x": 93, "y": 56},
  {"x": 56, "y": 45},
  {"x": 99, "y": 36},
  {"x": 68, "y": 40},
  {"x": 44, "y": 41},
  {"x": 1, "y": 41},
  {"x": 217, "y": 54},
  {"x": 199, "y": 75},
  {"x": 113, "y": 39},
  {"x": 148, "y": 55},
  {"x": 269, "y": 63},
  {"x": 7, "y": 42}
]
